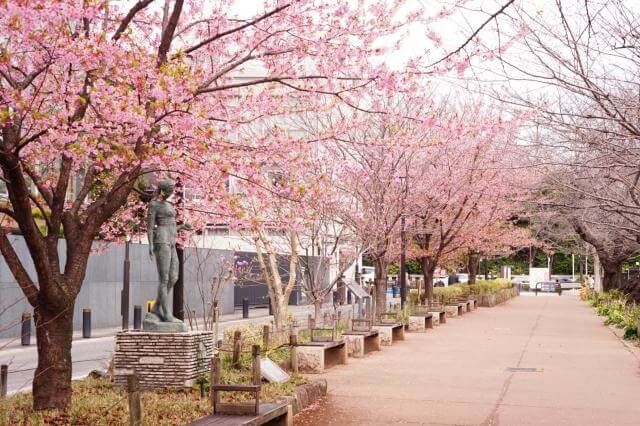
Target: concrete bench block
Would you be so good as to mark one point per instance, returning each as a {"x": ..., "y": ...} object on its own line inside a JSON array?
[
  {"x": 451, "y": 310},
  {"x": 390, "y": 333},
  {"x": 317, "y": 358},
  {"x": 358, "y": 345},
  {"x": 420, "y": 322}
]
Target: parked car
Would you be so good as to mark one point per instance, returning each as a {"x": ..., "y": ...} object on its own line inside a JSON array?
[{"x": 548, "y": 286}]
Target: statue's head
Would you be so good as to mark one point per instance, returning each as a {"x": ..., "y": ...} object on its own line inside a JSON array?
[{"x": 165, "y": 188}]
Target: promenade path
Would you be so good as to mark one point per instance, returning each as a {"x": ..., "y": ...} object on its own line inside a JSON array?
[{"x": 545, "y": 360}]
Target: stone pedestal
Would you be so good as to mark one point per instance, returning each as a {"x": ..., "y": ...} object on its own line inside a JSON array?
[{"x": 163, "y": 359}]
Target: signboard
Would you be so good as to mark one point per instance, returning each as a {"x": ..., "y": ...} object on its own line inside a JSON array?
[
  {"x": 356, "y": 289},
  {"x": 271, "y": 372},
  {"x": 538, "y": 275}
]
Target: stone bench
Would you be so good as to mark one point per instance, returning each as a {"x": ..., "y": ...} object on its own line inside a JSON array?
[
  {"x": 279, "y": 414},
  {"x": 315, "y": 357},
  {"x": 360, "y": 343},
  {"x": 467, "y": 304},
  {"x": 439, "y": 315},
  {"x": 420, "y": 321},
  {"x": 474, "y": 303},
  {"x": 390, "y": 333},
  {"x": 454, "y": 309}
]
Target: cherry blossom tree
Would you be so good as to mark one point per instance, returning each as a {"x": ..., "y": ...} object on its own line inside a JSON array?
[
  {"x": 576, "y": 68},
  {"x": 95, "y": 94},
  {"x": 464, "y": 198}
]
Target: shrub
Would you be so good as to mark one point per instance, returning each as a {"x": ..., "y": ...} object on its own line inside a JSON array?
[
  {"x": 447, "y": 294},
  {"x": 615, "y": 306}
]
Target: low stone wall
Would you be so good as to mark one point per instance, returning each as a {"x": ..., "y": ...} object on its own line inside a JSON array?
[
  {"x": 489, "y": 300},
  {"x": 306, "y": 395},
  {"x": 162, "y": 359}
]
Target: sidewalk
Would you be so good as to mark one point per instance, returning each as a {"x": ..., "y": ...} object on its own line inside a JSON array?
[{"x": 532, "y": 361}]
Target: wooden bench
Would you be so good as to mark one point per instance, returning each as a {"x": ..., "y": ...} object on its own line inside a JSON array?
[
  {"x": 361, "y": 340},
  {"x": 279, "y": 414},
  {"x": 315, "y": 357}
]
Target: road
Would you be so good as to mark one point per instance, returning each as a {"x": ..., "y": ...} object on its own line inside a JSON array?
[
  {"x": 87, "y": 355},
  {"x": 532, "y": 361}
]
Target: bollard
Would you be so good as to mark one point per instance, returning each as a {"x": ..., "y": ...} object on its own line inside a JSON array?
[
  {"x": 237, "y": 348},
  {"x": 245, "y": 308},
  {"x": 293, "y": 342},
  {"x": 137, "y": 317},
  {"x": 265, "y": 338},
  {"x": 4, "y": 373},
  {"x": 86, "y": 323},
  {"x": 25, "y": 333}
]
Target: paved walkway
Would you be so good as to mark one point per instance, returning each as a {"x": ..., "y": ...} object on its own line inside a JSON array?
[{"x": 572, "y": 371}]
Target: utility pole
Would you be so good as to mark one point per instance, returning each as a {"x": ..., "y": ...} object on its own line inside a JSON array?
[{"x": 573, "y": 267}]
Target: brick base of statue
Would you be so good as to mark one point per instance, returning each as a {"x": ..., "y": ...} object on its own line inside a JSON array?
[{"x": 163, "y": 359}]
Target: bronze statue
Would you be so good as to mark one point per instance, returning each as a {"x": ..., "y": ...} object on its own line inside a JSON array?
[{"x": 162, "y": 232}]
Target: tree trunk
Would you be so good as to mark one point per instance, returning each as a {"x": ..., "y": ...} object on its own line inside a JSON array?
[
  {"x": 280, "y": 312},
  {"x": 317, "y": 305},
  {"x": 380, "y": 282},
  {"x": 612, "y": 277},
  {"x": 428, "y": 267},
  {"x": 472, "y": 267},
  {"x": 52, "y": 378}
]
